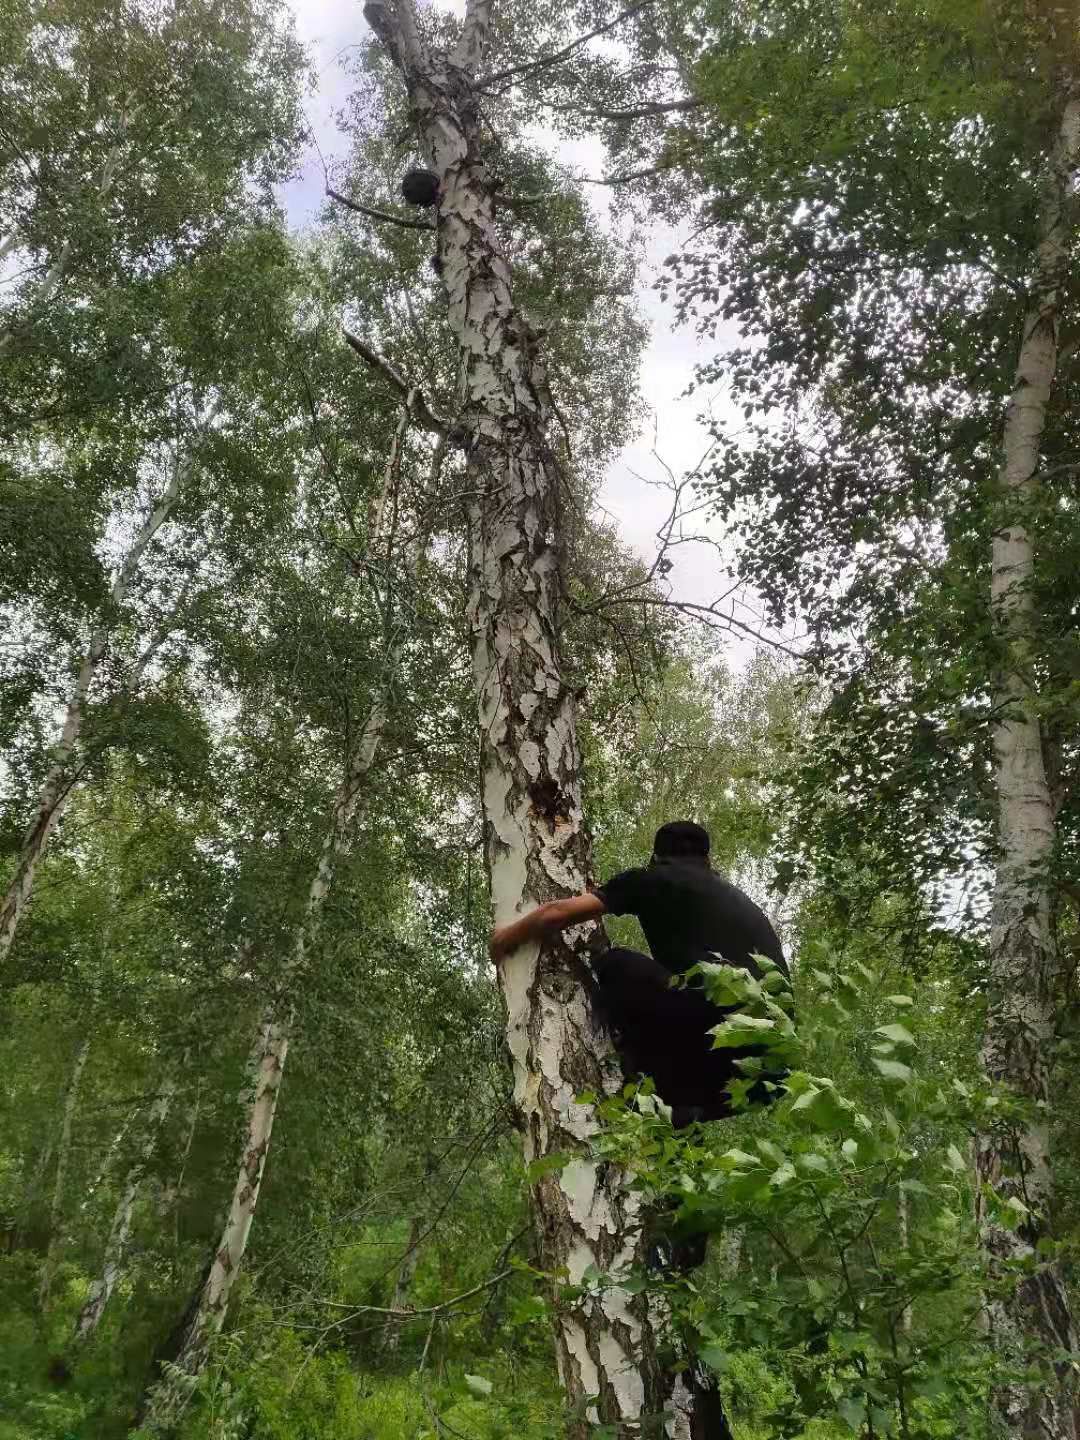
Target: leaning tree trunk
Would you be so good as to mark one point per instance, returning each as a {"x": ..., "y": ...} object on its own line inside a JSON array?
[
  {"x": 62, "y": 774},
  {"x": 271, "y": 1048},
  {"x": 120, "y": 1230},
  {"x": 63, "y": 1150},
  {"x": 1024, "y": 965},
  {"x": 535, "y": 840}
]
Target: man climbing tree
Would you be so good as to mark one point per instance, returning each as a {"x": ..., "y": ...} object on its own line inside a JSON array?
[
  {"x": 587, "y": 1218},
  {"x": 689, "y": 914}
]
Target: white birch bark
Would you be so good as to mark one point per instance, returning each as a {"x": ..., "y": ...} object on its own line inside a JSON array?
[
  {"x": 50, "y": 281},
  {"x": 271, "y": 1048},
  {"x": 391, "y": 1339},
  {"x": 120, "y": 1231},
  {"x": 902, "y": 1217},
  {"x": 62, "y": 775},
  {"x": 535, "y": 841},
  {"x": 107, "y": 1159},
  {"x": 1024, "y": 965},
  {"x": 63, "y": 1150}
]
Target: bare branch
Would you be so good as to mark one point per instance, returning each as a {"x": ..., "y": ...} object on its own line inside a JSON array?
[
  {"x": 421, "y": 409},
  {"x": 543, "y": 62},
  {"x": 413, "y": 1314},
  {"x": 374, "y": 214},
  {"x": 635, "y": 112},
  {"x": 395, "y": 25},
  {"x": 630, "y": 175}
]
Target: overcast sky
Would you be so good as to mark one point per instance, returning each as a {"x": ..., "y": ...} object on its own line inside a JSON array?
[{"x": 632, "y": 493}]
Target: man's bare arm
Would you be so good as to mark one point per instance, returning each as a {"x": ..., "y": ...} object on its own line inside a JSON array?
[{"x": 545, "y": 920}]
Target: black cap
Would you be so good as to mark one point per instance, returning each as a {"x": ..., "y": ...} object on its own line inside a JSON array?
[{"x": 680, "y": 838}]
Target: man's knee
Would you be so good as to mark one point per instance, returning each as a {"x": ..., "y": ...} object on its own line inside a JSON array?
[{"x": 622, "y": 967}]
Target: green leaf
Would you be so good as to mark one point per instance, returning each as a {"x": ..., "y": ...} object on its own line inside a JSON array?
[
  {"x": 852, "y": 1410},
  {"x": 545, "y": 1164},
  {"x": 904, "y": 1000},
  {"x": 737, "y": 1159},
  {"x": 479, "y": 1386},
  {"x": 897, "y": 1034},
  {"x": 815, "y": 1163},
  {"x": 894, "y": 1070},
  {"x": 739, "y": 1031},
  {"x": 771, "y": 1152},
  {"x": 715, "y": 1357},
  {"x": 955, "y": 1161}
]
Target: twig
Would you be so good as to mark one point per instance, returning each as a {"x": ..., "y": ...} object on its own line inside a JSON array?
[
  {"x": 408, "y": 1314},
  {"x": 630, "y": 175},
  {"x": 373, "y": 214},
  {"x": 421, "y": 409},
  {"x": 635, "y": 112},
  {"x": 542, "y": 62}
]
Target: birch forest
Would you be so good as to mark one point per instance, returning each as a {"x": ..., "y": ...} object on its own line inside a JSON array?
[{"x": 442, "y": 441}]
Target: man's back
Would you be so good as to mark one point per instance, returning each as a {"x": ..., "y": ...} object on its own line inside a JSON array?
[{"x": 689, "y": 913}]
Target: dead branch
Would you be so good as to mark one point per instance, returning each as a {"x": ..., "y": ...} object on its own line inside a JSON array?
[
  {"x": 421, "y": 409},
  {"x": 405, "y": 221}
]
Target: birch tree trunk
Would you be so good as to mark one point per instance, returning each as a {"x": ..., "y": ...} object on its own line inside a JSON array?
[
  {"x": 391, "y": 1338},
  {"x": 107, "y": 1159},
  {"x": 62, "y": 775},
  {"x": 271, "y": 1048},
  {"x": 120, "y": 1230},
  {"x": 1024, "y": 965},
  {"x": 63, "y": 1150},
  {"x": 535, "y": 841},
  {"x": 50, "y": 281}
]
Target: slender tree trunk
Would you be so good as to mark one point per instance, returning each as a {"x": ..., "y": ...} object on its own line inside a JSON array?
[
  {"x": 62, "y": 775},
  {"x": 535, "y": 839},
  {"x": 1024, "y": 965},
  {"x": 272, "y": 1043},
  {"x": 107, "y": 1159},
  {"x": 120, "y": 1230},
  {"x": 31, "y": 1192},
  {"x": 55, "y": 273},
  {"x": 63, "y": 1150},
  {"x": 905, "y": 1245},
  {"x": 391, "y": 1338}
]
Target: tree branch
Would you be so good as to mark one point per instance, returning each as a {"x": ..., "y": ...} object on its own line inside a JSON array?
[
  {"x": 374, "y": 214},
  {"x": 542, "y": 62},
  {"x": 396, "y": 28},
  {"x": 421, "y": 409},
  {"x": 630, "y": 175},
  {"x": 636, "y": 112},
  {"x": 413, "y": 1314}
]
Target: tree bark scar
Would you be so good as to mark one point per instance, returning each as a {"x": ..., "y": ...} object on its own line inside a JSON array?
[{"x": 551, "y": 801}]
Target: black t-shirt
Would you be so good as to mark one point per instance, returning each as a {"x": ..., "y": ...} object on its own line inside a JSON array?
[{"x": 690, "y": 914}]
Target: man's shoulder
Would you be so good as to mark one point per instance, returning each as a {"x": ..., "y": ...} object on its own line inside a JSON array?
[{"x": 623, "y": 892}]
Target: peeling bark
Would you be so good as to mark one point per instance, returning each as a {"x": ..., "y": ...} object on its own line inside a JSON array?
[
  {"x": 120, "y": 1231},
  {"x": 62, "y": 775},
  {"x": 535, "y": 839},
  {"x": 63, "y": 1150},
  {"x": 168, "y": 1398},
  {"x": 1025, "y": 970}
]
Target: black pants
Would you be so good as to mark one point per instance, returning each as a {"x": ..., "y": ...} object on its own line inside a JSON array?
[{"x": 662, "y": 1032}]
